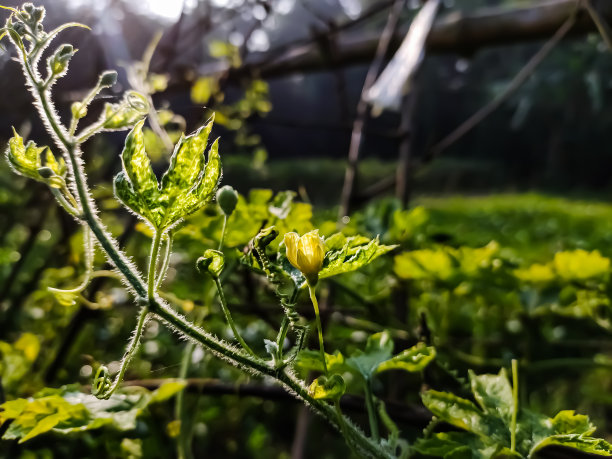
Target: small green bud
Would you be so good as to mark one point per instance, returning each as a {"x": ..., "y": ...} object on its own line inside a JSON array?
[
  {"x": 65, "y": 51},
  {"x": 38, "y": 14},
  {"x": 107, "y": 79},
  {"x": 58, "y": 62},
  {"x": 211, "y": 262},
  {"x": 46, "y": 172},
  {"x": 227, "y": 198},
  {"x": 20, "y": 28},
  {"x": 78, "y": 110},
  {"x": 28, "y": 7}
]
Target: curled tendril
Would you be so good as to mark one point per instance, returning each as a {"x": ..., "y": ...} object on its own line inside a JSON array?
[
  {"x": 137, "y": 101},
  {"x": 102, "y": 383}
]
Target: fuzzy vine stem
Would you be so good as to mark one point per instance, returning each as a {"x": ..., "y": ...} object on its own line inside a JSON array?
[
  {"x": 228, "y": 317},
  {"x": 156, "y": 306},
  {"x": 151, "y": 284},
  {"x": 165, "y": 262}
]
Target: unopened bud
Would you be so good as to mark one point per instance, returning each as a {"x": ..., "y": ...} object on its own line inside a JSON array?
[
  {"x": 227, "y": 198},
  {"x": 58, "y": 62},
  {"x": 38, "y": 14},
  {"x": 107, "y": 79},
  {"x": 212, "y": 262},
  {"x": 20, "y": 28},
  {"x": 78, "y": 110}
]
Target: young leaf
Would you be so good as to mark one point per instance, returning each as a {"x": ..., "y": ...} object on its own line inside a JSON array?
[
  {"x": 311, "y": 361},
  {"x": 460, "y": 445},
  {"x": 69, "y": 411},
  {"x": 28, "y": 159},
  {"x": 462, "y": 413},
  {"x": 124, "y": 191},
  {"x": 379, "y": 348},
  {"x": 494, "y": 394},
  {"x": 324, "y": 388},
  {"x": 412, "y": 360},
  {"x": 137, "y": 167},
  {"x": 351, "y": 257},
  {"x": 568, "y": 422},
  {"x": 189, "y": 182},
  {"x": 186, "y": 164},
  {"x": 585, "y": 444}
]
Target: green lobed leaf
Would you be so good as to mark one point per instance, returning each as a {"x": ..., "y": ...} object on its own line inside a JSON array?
[
  {"x": 352, "y": 255},
  {"x": 462, "y": 413},
  {"x": 186, "y": 164},
  {"x": 67, "y": 411},
  {"x": 311, "y": 361},
  {"x": 190, "y": 182},
  {"x": 461, "y": 445},
  {"x": 137, "y": 167},
  {"x": 494, "y": 394},
  {"x": 379, "y": 349},
  {"x": 412, "y": 360},
  {"x": 28, "y": 159},
  {"x": 585, "y": 444},
  {"x": 568, "y": 422},
  {"x": 327, "y": 388},
  {"x": 124, "y": 191}
]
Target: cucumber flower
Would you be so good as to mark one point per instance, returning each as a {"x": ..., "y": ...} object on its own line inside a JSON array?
[{"x": 306, "y": 253}]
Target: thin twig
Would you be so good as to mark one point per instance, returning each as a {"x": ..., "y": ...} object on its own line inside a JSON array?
[
  {"x": 362, "y": 107},
  {"x": 521, "y": 77},
  {"x": 600, "y": 22}
]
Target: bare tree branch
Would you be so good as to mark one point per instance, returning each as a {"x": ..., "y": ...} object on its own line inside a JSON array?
[{"x": 452, "y": 33}]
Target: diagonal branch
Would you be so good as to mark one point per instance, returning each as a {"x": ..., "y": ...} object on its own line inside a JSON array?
[{"x": 521, "y": 77}]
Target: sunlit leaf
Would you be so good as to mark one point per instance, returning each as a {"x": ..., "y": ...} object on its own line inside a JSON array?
[
  {"x": 379, "y": 349},
  {"x": 581, "y": 265},
  {"x": 462, "y": 413},
  {"x": 352, "y": 257},
  {"x": 423, "y": 264},
  {"x": 66, "y": 411},
  {"x": 28, "y": 159},
  {"x": 310, "y": 360},
  {"x": 494, "y": 394},
  {"x": 137, "y": 167},
  {"x": 412, "y": 360},
  {"x": 327, "y": 388},
  {"x": 203, "y": 89}
]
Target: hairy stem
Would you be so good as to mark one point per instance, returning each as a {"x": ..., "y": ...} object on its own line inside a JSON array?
[
  {"x": 135, "y": 281},
  {"x": 129, "y": 353},
  {"x": 165, "y": 261},
  {"x": 240, "y": 359},
  {"x": 151, "y": 284},
  {"x": 228, "y": 317}
]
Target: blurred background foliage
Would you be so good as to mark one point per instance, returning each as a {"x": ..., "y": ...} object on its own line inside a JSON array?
[{"x": 504, "y": 248}]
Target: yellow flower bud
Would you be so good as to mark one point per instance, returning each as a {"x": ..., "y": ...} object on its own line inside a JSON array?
[{"x": 306, "y": 253}]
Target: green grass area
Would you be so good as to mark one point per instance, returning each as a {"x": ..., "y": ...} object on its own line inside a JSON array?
[{"x": 535, "y": 225}]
